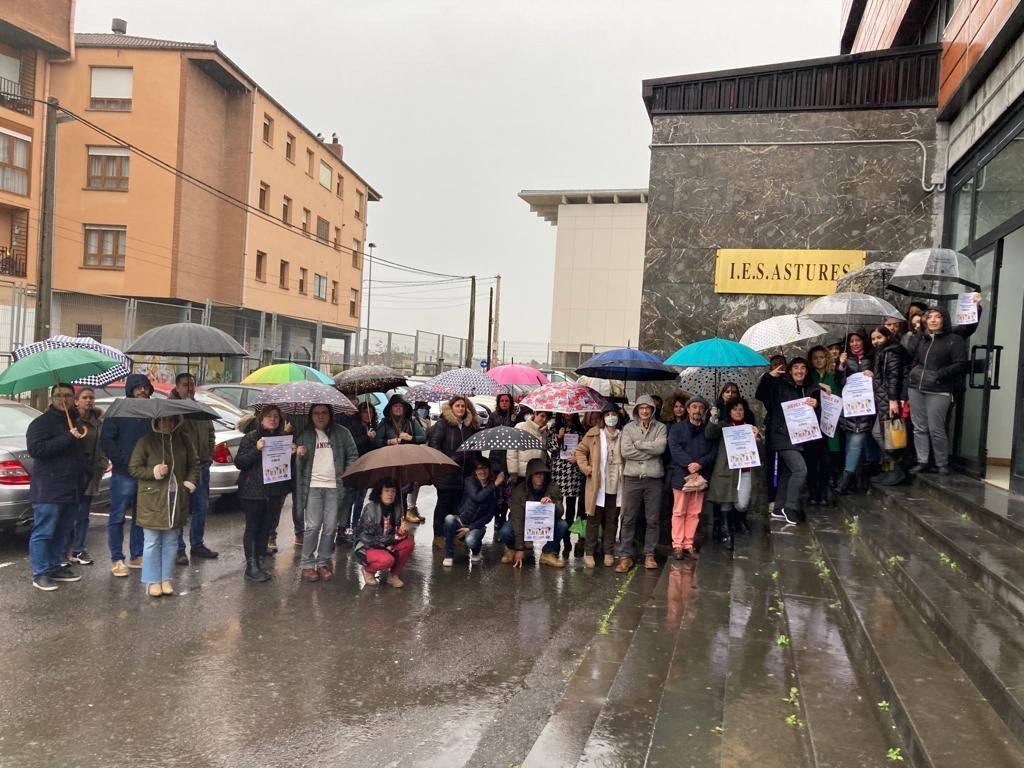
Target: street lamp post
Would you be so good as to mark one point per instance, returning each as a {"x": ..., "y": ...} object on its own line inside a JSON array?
[{"x": 369, "y": 296}]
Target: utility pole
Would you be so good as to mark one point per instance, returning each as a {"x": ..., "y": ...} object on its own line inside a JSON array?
[
  {"x": 490, "y": 323},
  {"x": 493, "y": 352},
  {"x": 472, "y": 321},
  {"x": 369, "y": 295},
  {"x": 44, "y": 280}
]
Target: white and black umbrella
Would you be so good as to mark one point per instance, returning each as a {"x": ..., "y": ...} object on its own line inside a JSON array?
[
  {"x": 295, "y": 398},
  {"x": 118, "y": 372},
  {"x": 501, "y": 439},
  {"x": 934, "y": 273}
]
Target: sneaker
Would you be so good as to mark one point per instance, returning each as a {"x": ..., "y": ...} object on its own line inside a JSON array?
[
  {"x": 780, "y": 514},
  {"x": 919, "y": 469},
  {"x": 552, "y": 560},
  {"x": 679, "y": 552},
  {"x": 475, "y": 557},
  {"x": 119, "y": 568},
  {"x": 272, "y": 545},
  {"x": 448, "y": 562},
  {"x": 182, "y": 558},
  {"x": 166, "y": 588},
  {"x": 507, "y": 558},
  {"x": 153, "y": 590},
  {"x": 65, "y": 563},
  {"x": 65, "y": 574},
  {"x": 310, "y": 574},
  {"x": 204, "y": 552},
  {"x": 44, "y": 582},
  {"x": 691, "y": 554},
  {"x": 344, "y": 538},
  {"x": 82, "y": 558},
  {"x": 135, "y": 563}
]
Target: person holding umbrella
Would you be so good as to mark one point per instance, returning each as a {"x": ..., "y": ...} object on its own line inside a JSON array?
[
  {"x": 90, "y": 416},
  {"x": 203, "y": 437},
  {"x": 383, "y": 542},
  {"x": 458, "y": 421},
  {"x": 60, "y": 476},
  {"x": 567, "y": 474},
  {"x": 399, "y": 427},
  {"x": 166, "y": 467},
  {"x": 117, "y": 439},
  {"x": 324, "y": 452},
  {"x": 363, "y": 427}
]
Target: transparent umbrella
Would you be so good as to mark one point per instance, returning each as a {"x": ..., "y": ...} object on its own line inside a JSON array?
[
  {"x": 846, "y": 309},
  {"x": 872, "y": 278},
  {"x": 781, "y": 331},
  {"x": 934, "y": 273}
]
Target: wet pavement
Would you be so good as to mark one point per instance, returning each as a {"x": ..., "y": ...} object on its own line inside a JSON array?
[{"x": 461, "y": 667}]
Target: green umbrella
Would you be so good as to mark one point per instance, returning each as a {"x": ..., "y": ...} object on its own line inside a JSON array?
[{"x": 52, "y": 366}]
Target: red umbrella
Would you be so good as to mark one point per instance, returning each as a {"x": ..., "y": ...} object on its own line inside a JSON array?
[
  {"x": 518, "y": 374},
  {"x": 565, "y": 397}
]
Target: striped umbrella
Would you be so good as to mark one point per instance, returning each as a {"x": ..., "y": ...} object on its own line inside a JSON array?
[
  {"x": 118, "y": 372},
  {"x": 466, "y": 381},
  {"x": 297, "y": 397}
]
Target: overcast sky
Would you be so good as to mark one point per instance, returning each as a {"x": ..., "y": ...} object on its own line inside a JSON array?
[{"x": 450, "y": 107}]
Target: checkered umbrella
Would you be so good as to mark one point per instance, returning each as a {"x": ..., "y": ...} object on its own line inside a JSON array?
[
  {"x": 296, "y": 398},
  {"x": 501, "y": 439},
  {"x": 118, "y": 372},
  {"x": 466, "y": 381},
  {"x": 564, "y": 397}
]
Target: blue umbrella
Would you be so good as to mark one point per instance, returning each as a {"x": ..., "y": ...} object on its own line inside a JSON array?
[
  {"x": 626, "y": 365},
  {"x": 716, "y": 353}
]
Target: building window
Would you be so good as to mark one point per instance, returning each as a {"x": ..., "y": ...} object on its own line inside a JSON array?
[
  {"x": 283, "y": 277},
  {"x": 15, "y": 159},
  {"x": 353, "y": 302},
  {"x": 289, "y": 148},
  {"x": 323, "y": 229},
  {"x": 334, "y": 291},
  {"x": 303, "y": 273},
  {"x": 360, "y": 197},
  {"x": 286, "y": 210},
  {"x": 104, "y": 247},
  {"x": 261, "y": 266},
  {"x": 111, "y": 88},
  {"x": 108, "y": 168},
  {"x": 307, "y": 218},
  {"x": 357, "y": 254},
  {"x": 337, "y": 238},
  {"x": 10, "y": 74},
  {"x": 264, "y": 197},
  {"x": 326, "y": 174},
  {"x": 89, "y": 331},
  {"x": 310, "y": 162},
  {"x": 268, "y": 130},
  {"x": 339, "y": 187},
  {"x": 320, "y": 287}
]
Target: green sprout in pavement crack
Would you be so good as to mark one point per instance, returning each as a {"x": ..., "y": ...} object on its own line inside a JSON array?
[
  {"x": 965, "y": 517},
  {"x": 718, "y": 729},
  {"x": 602, "y": 625},
  {"x": 782, "y": 641},
  {"x": 794, "y": 720},
  {"x": 775, "y": 575},
  {"x": 794, "y": 697},
  {"x": 895, "y": 754},
  {"x": 823, "y": 570},
  {"x": 947, "y": 561},
  {"x": 883, "y": 705},
  {"x": 892, "y": 562},
  {"x": 852, "y": 524}
]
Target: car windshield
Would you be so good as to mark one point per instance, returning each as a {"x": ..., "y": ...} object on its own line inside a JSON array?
[{"x": 15, "y": 418}]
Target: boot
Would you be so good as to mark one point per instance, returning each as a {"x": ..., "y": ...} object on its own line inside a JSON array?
[
  {"x": 253, "y": 572},
  {"x": 264, "y": 571},
  {"x": 716, "y": 529},
  {"x": 625, "y": 565},
  {"x": 730, "y": 535},
  {"x": 843, "y": 486},
  {"x": 650, "y": 562}
]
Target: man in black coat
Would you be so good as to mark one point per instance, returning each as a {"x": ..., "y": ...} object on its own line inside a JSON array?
[{"x": 60, "y": 476}]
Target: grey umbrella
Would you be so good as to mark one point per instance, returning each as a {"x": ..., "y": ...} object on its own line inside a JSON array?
[
  {"x": 849, "y": 309},
  {"x": 186, "y": 340},
  {"x": 144, "y": 408},
  {"x": 934, "y": 273}
]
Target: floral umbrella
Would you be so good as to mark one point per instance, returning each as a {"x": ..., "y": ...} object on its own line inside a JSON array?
[
  {"x": 297, "y": 397},
  {"x": 564, "y": 397},
  {"x": 466, "y": 381}
]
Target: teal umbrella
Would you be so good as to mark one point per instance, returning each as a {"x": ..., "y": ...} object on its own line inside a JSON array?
[{"x": 716, "y": 353}]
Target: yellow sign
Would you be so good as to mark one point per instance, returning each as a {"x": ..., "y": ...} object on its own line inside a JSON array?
[{"x": 783, "y": 272}]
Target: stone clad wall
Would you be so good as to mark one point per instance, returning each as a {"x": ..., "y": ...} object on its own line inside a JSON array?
[{"x": 865, "y": 197}]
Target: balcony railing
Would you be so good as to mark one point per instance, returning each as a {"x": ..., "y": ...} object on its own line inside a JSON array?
[
  {"x": 11, "y": 264},
  {"x": 10, "y": 97}
]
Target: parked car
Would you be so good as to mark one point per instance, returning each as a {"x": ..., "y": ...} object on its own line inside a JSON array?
[
  {"x": 116, "y": 389},
  {"x": 240, "y": 395},
  {"x": 16, "y": 466}
]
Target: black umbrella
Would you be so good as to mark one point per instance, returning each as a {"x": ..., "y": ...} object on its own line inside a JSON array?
[
  {"x": 143, "y": 408},
  {"x": 186, "y": 340},
  {"x": 501, "y": 439}
]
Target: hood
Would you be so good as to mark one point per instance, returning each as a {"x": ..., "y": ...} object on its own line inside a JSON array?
[
  {"x": 132, "y": 380},
  {"x": 537, "y": 465},
  {"x": 945, "y": 321},
  {"x": 449, "y": 416},
  {"x": 648, "y": 401},
  {"x": 177, "y": 423},
  {"x": 397, "y": 399}
]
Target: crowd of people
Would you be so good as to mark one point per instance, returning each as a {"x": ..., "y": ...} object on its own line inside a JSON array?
[{"x": 615, "y": 479}]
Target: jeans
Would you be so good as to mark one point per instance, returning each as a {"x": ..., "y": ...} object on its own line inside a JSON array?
[
  {"x": 637, "y": 493},
  {"x": 929, "y": 410},
  {"x": 122, "y": 499},
  {"x": 474, "y": 538},
  {"x": 507, "y": 534},
  {"x": 606, "y": 516},
  {"x": 51, "y": 524},
  {"x": 160, "y": 548},
  {"x": 792, "y": 479},
  {"x": 260, "y": 516},
  {"x": 321, "y": 521},
  {"x": 198, "y": 506},
  {"x": 74, "y": 541}
]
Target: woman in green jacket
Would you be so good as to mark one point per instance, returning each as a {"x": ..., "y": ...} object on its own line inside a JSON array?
[{"x": 166, "y": 466}]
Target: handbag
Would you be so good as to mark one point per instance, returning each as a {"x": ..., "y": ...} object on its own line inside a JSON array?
[
  {"x": 895, "y": 434},
  {"x": 694, "y": 483}
]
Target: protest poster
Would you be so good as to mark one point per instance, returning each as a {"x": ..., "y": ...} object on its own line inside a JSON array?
[
  {"x": 277, "y": 459},
  {"x": 540, "y": 522},
  {"x": 569, "y": 442},
  {"x": 801, "y": 421},
  {"x": 858, "y": 396},
  {"x": 966, "y": 309},
  {"x": 831, "y": 410},
  {"x": 741, "y": 447}
]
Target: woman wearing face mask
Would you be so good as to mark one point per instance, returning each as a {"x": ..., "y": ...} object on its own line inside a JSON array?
[
  {"x": 776, "y": 387},
  {"x": 892, "y": 364},
  {"x": 599, "y": 459},
  {"x": 822, "y": 456},
  {"x": 938, "y": 372},
  {"x": 458, "y": 421},
  {"x": 421, "y": 415},
  {"x": 567, "y": 473},
  {"x": 857, "y": 358}
]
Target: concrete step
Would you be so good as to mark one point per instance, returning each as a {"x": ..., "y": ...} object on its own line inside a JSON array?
[
  {"x": 992, "y": 508},
  {"x": 943, "y": 721},
  {"x": 981, "y": 636},
  {"x": 983, "y": 556}
]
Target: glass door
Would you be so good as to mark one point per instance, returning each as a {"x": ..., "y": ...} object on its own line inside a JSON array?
[{"x": 983, "y": 374}]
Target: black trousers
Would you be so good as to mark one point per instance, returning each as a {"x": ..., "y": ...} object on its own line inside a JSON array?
[
  {"x": 261, "y": 517},
  {"x": 447, "y": 504},
  {"x": 819, "y": 469},
  {"x": 573, "y": 506}
]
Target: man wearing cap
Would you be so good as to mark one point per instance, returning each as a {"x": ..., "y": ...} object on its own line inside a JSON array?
[{"x": 642, "y": 444}]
